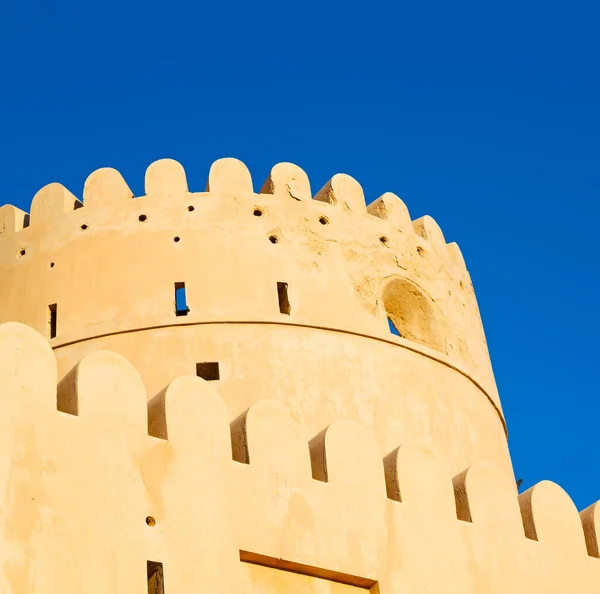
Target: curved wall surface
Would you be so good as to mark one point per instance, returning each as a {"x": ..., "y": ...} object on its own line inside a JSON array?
[
  {"x": 107, "y": 493},
  {"x": 290, "y": 295}
]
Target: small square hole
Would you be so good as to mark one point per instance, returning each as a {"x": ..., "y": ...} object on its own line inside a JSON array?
[
  {"x": 208, "y": 371},
  {"x": 283, "y": 298}
]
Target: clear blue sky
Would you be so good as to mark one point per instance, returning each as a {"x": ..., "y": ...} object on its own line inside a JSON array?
[{"x": 483, "y": 115}]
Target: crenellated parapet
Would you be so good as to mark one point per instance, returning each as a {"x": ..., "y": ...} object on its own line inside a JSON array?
[
  {"x": 229, "y": 178},
  {"x": 348, "y": 265},
  {"x": 281, "y": 293},
  {"x": 100, "y": 483}
]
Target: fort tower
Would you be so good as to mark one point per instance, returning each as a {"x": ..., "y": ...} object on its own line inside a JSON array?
[{"x": 202, "y": 392}]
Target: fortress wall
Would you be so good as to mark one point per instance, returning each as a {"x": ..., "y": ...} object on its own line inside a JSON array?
[
  {"x": 102, "y": 274},
  {"x": 110, "y": 272},
  {"x": 322, "y": 376},
  {"x": 110, "y": 481}
]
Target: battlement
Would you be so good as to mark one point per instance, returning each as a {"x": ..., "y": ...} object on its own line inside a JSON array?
[
  {"x": 109, "y": 263},
  {"x": 271, "y": 290},
  {"x": 99, "y": 481},
  {"x": 166, "y": 179},
  {"x": 338, "y": 213}
]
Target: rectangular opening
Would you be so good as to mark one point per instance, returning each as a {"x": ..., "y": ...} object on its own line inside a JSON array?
[
  {"x": 208, "y": 371},
  {"x": 181, "y": 306},
  {"x": 52, "y": 320},
  {"x": 284, "y": 301},
  {"x": 156, "y": 583}
]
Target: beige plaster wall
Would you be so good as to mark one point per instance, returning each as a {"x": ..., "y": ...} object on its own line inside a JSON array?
[
  {"x": 112, "y": 277},
  {"x": 330, "y": 456},
  {"x": 226, "y": 493},
  {"x": 323, "y": 376}
]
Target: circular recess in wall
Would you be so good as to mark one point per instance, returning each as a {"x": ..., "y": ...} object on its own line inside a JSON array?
[
  {"x": 384, "y": 240},
  {"x": 142, "y": 218},
  {"x": 176, "y": 239},
  {"x": 191, "y": 208},
  {"x": 51, "y": 264},
  {"x": 273, "y": 239},
  {"x": 84, "y": 227},
  {"x": 22, "y": 253},
  {"x": 150, "y": 521},
  {"x": 324, "y": 220},
  {"x": 258, "y": 212}
]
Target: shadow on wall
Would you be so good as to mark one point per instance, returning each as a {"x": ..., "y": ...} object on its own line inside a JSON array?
[{"x": 411, "y": 314}]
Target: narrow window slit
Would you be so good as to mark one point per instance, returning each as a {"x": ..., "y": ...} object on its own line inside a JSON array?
[
  {"x": 181, "y": 306},
  {"x": 284, "y": 301},
  {"x": 156, "y": 582},
  {"x": 208, "y": 371},
  {"x": 52, "y": 320}
]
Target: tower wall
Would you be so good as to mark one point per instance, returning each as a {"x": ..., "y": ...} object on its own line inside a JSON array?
[
  {"x": 109, "y": 267},
  {"x": 99, "y": 485}
]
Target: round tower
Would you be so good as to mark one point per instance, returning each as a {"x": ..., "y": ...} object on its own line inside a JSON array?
[{"x": 337, "y": 309}]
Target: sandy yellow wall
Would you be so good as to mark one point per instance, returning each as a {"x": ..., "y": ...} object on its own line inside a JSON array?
[
  {"x": 112, "y": 277},
  {"x": 323, "y": 376},
  {"x": 77, "y": 489}
]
